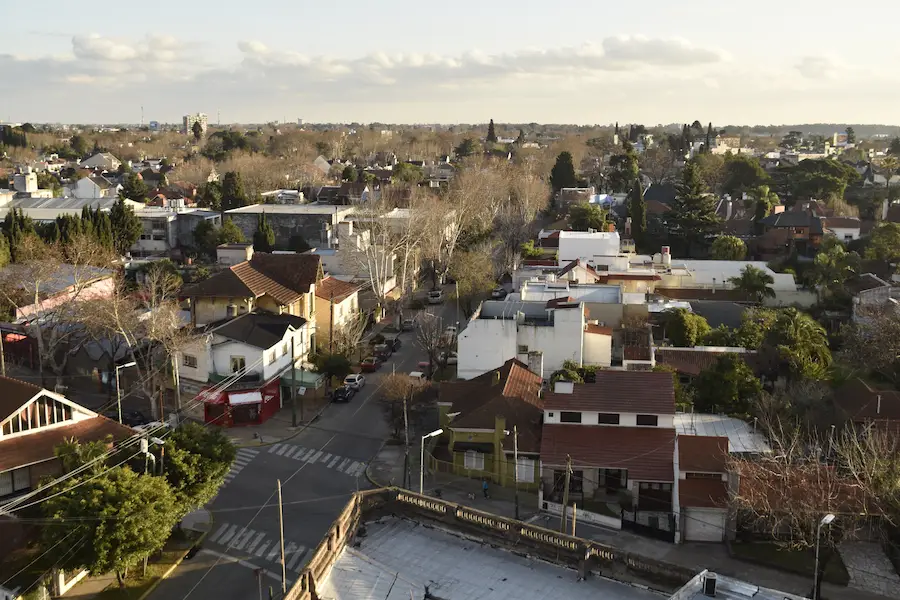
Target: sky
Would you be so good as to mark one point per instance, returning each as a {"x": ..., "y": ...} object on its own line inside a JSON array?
[{"x": 466, "y": 61}]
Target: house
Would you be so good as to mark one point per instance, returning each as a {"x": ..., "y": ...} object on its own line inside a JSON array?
[
  {"x": 257, "y": 348},
  {"x": 542, "y": 334},
  {"x": 337, "y": 304},
  {"x": 703, "y": 487},
  {"x": 870, "y": 294},
  {"x": 167, "y": 229},
  {"x": 605, "y": 305},
  {"x": 588, "y": 246},
  {"x": 845, "y": 229},
  {"x": 568, "y": 196},
  {"x": 743, "y": 439},
  {"x": 277, "y": 283},
  {"x": 804, "y": 226},
  {"x": 33, "y": 421},
  {"x": 618, "y": 434},
  {"x": 863, "y": 405},
  {"x": 103, "y": 161},
  {"x": 315, "y": 225},
  {"x": 232, "y": 254},
  {"x": 69, "y": 283},
  {"x": 353, "y": 193},
  {"x": 95, "y": 186},
  {"x": 688, "y": 363},
  {"x": 491, "y": 417}
]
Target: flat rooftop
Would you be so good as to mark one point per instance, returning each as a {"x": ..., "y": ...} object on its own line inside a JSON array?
[
  {"x": 741, "y": 437},
  {"x": 291, "y": 209},
  {"x": 399, "y": 559}
]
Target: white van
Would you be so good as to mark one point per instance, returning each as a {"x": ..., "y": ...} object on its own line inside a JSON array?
[{"x": 418, "y": 376}]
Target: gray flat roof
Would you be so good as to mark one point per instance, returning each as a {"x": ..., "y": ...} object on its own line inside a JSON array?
[
  {"x": 398, "y": 559},
  {"x": 741, "y": 437}
]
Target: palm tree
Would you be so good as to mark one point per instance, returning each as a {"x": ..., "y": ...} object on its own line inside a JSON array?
[
  {"x": 765, "y": 200},
  {"x": 802, "y": 344},
  {"x": 889, "y": 166},
  {"x": 755, "y": 283}
]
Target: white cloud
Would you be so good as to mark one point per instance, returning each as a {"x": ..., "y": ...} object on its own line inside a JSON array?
[{"x": 817, "y": 67}]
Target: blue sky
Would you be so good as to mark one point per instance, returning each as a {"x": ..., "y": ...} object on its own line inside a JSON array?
[{"x": 649, "y": 61}]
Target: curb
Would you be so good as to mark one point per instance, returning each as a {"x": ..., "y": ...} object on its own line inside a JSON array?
[
  {"x": 300, "y": 429},
  {"x": 369, "y": 467},
  {"x": 178, "y": 562}
]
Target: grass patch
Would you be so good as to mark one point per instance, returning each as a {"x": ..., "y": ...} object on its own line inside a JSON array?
[{"x": 801, "y": 562}]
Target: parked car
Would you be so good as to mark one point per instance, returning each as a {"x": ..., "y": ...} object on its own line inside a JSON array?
[
  {"x": 498, "y": 292},
  {"x": 382, "y": 352},
  {"x": 435, "y": 296},
  {"x": 418, "y": 375},
  {"x": 451, "y": 330},
  {"x": 408, "y": 324},
  {"x": 370, "y": 364},
  {"x": 355, "y": 380},
  {"x": 451, "y": 359},
  {"x": 132, "y": 418},
  {"x": 343, "y": 394},
  {"x": 393, "y": 343}
]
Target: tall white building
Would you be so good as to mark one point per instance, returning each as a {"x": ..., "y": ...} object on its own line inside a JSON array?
[{"x": 189, "y": 121}]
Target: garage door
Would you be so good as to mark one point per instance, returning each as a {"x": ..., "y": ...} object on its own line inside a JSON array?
[{"x": 704, "y": 525}]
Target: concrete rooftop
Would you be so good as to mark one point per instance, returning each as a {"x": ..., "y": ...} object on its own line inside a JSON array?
[{"x": 398, "y": 559}]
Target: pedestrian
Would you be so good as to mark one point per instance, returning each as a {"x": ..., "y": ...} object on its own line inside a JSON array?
[{"x": 484, "y": 487}]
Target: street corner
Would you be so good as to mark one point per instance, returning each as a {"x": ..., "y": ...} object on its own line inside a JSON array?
[{"x": 200, "y": 520}]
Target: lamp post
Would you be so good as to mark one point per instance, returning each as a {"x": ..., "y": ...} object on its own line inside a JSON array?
[
  {"x": 515, "y": 433},
  {"x": 826, "y": 520},
  {"x": 422, "y": 458},
  {"x": 118, "y": 391}
]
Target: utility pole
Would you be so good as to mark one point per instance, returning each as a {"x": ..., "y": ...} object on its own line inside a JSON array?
[
  {"x": 3, "y": 356},
  {"x": 574, "y": 515},
  {"x": 331, "y": 324},
  {"x": 293, "y": 382},
  {"x": 565, "y": 506},
  {"x": 281, "y": 535},
  {"x": 516, "y": 458},
  {"x": 406, "y": 447}
]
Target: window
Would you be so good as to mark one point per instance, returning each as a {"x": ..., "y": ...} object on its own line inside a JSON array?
[
  {"x": 523, "y": 349},
  {"x": 189, "y": 361},
  {"x": 284, "y": 348},
  {"x": 474, "y": 460},
  {"x": 550, "y": 415},
  {"x": 525, "y": 470},
  {"x": 570, "y": 417},
  {"x": 17, "y": 480},
  {"x": 848, "y": 238},
  {"x": 702, "y": 476},
  {"x": 608, "y": 418},
  {"x": 648, "y": 420},
  {"x": 238, "y": 364},
  {"x": 271, "y": 357}
]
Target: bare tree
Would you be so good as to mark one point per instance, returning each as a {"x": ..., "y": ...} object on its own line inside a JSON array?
[
  {"x": 404, "y": 400},
  {"x": 348, "y": 337},
  {"x": 873, "y": 341},
  {"x": 658, "y": 164},
  {"x": 431, "y": 338}
]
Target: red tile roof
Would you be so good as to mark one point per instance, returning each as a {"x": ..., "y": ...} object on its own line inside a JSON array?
[
  {"x": 860, "y": 402},
  {"x": 642, "y": 392},
  {"x": 333, "y": 288},
  {"x": 691, "y": 361},
  {"x": 37, "y": 447},
  {"x": 702, "y": 453},
  {"x": 284, "y": 277},
  {"x": 591, "y": 328},
  {"x": 646, "y": 452},
  {"x": 703, "y": 493}
]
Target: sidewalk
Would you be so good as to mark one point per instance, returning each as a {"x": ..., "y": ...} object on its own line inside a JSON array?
[{"x": 386, "y": 469}]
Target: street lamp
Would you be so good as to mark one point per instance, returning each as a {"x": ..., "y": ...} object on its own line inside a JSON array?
[
  {"x": 515, "y": 432},
  {"x": 422, "y": 458},
  {"x": 826, "y": 520},
  {"x": 118, "y": 391}
]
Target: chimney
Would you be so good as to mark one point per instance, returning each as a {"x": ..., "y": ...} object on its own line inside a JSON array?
[
  {"x": 667, "y": 256},
  {"x": 709, "y": 585},
  {"x": 729, "y": 207},
  {"x": 230, "y": 311},
  {"x": 885, "y": 205},
  {"x": 878, "y": 405},
  {"x": 536, "y": 362}
]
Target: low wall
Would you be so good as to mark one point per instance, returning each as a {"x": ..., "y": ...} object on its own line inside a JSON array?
[
  {"x": 585, "y": 555},
  {"x": 583, "y": 515}
]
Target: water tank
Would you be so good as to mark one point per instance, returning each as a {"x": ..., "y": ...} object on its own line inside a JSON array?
[
  {"x": 709, "y": 585},
  {"x": 231, "y": 310}
]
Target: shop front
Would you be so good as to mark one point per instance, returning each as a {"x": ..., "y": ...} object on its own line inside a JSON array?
[{"x": 238, "y": 406}]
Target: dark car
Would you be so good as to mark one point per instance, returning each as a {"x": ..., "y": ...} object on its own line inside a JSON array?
[
  {"x": 370, "y": 364},
  {"x": 132, "y": 418},
  {"x": 393, "y": 343},
  {"x": 343, "y": 394},
  {"x": 382, "y": 351}
]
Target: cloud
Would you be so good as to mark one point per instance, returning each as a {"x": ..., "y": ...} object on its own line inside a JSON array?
[
  {"x": 639, "y": 50},
  {"x": 817, "y": 67}
]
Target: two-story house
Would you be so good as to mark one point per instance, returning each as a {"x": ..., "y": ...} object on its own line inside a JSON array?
[
  {"x": 556, "y": 330},
  {"x": 702, "y": 487},
  {"x": 617, "y": 436},
  {"x": 802, "y": 227},
  {"x": 101, "y": 160},
  {"x": 94, "y": 187},
  {"x": 258, "y": 349},
  {"x": 337, "y": 306},
  {"x": 275, "y": 283}
]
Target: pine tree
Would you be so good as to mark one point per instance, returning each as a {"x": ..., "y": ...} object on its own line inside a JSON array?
[
  {"x": 491, "y": 134},
  {"x": 637, "y": 210},
  {"x": 521, "y": 139},
  {"x": 264, "y": 237},
  {"x": 125, "y": 226},
  {"x": 563, "y": 173},
  {"x": 693, "y": 218},
  {"x": 233, "y": 195},
  {"x": 709, "y": 137}
]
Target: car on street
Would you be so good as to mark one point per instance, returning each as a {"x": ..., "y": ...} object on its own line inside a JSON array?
[
  {"x": 435, "y": 296},
  {"x": 343, "y": 394},
  {"x": 370, "y": 364},
  {"x": 393, "y": 343},
  {"x": 418, "y": 376},
  {"x": 408, "y": 324},
  {"x": 355, "y": 381},
  {"x": 448, "y": 358},
  {"x": 132, "y": 418},
  {"x": 382, "y": 352},
  {"x": 498, "y": 292}
]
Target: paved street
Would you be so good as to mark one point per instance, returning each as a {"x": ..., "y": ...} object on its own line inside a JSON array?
[{"x": 319, "y": 468}]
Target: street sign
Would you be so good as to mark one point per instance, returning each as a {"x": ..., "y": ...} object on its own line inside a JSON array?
[{"x": 301, "y": 391}]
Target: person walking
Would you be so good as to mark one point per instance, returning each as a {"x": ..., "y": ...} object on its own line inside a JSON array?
[{"x": 484, "y": 487}]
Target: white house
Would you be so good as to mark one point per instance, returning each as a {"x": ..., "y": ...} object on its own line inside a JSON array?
[
  {"x": 256, "y": 344},
  {"x": 845, "y": 229},
  {"x": 95, "y": 187},
  {"x": 101, "y": 160},
  {"x": 587, "y": 245},
  {"x": 541, "y": 334}
]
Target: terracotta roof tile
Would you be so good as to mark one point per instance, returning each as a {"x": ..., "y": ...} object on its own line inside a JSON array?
[
  {"x": 691, "y": 361},
  {"x": 619, "y": 391},
  {"x": 333, "y": 288},
  {"x": 703, "y": 493},
  {"x": 38, "y": 446},
  {"x": 646, "y": 452},
  {"x": 860, "y": 401},
  {"x": 284, "y": 277},
  {"x": 591, "y": 328},
  {"x": 702, "y": 453}
]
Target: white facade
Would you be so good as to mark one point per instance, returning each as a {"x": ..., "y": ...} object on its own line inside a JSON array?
[
  {"x": 26, "y": 181},
  {"x": 845, "y": 234},
  {"x": 88, "y": 188},
  {"x": 587, "y": 246},
  {"x": 625, "y": 419},
  {"x": 102, "y": 160},
  {"x": 229, "y": 255}
]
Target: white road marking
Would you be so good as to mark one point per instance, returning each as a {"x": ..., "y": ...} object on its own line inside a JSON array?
[
  {"x": 255, "y": 543},
  {"x": 326, "y": 458},
  {"x": 334, "y": 461},
  {"x": 292, "y": 547},
  {"x": 316, "y": 456},
  {"x": 229, "y": 535},
  {"x": 341, "y": 466},
  {"x": 218, "y": 532},
  {"x": 244, "y": 563},
  {"x": 283, "y": 450},
  {"x": 240, "y": 542},
  {"x": 274, "y": 552},
  {"x": 352, "y": 468},
  {"x": 297, "y": 558},
  {"x": 274, "y": 448},
  {"x": 262, "y": 549}
]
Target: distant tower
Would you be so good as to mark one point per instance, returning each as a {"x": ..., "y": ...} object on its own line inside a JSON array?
[
  {"x": 142, "y": 116},
  {"x": 218, "y": 118}
]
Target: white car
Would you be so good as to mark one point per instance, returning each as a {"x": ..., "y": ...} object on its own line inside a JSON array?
[
  {"x": 435, "y": 296},
  {"x": 451, "y": 359},
  {"x": 355, "y": 381},
  {"x": 451, "y": 330}
]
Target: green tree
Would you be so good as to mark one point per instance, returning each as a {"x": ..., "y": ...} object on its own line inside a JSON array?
[
  {"x": 126, "y": 226},
  {"x": 206, "y": 238},
  {"x": 231, "y": 233},
  {"x": 109, "y": 523},
  {"x": 711, "y": 168},
  {"x": 685, "y": 329},
  {"x": 349, "y": 173},
  {"x": 73, "y": 454},
  {"x": 816, "y": 179},
  {"x": 728, "y": 247},
  {"x": 197, "y": 130},
  {"x": 625, "y": 169},
  {"x": 684, "y": 396},
  {"x": 729, "y": 386},
  {"x": 755, "y": 326},
  {"x": 889, "y": 166},
  {"x": 5, "y": 255},
  {"x": 851, "y": 135},
  {"x": 563, "y": 173},
  {"x": 587, "y": 216},
  {"x": 884, "y": 243},
  {"x": 765, "y": 200},
  {"x": 233, "y": 194},
  {"x": 797, "y": 345},
  {"x": 210, "y": 195},
  {"x": 48, "y": 181},
  {"x": 637, "y": 210},
  {"x": 196, "y": 460},
  {"x": 894, "y": 147},
  {"x": 833, "y": 265},
  {"x": 755, "y": 283},
  {"x": 79, "y": 146},
  {"x": 692, "y": 220},
  {"x": 529, "y": 251},
  {"x": 491, "y": 134},
  {"x": 466, "y": 148},
  {"x": 407, "y": 173},
  {"x": 743, "y": 173},
  {"x": 134, "y": 188},
  {"x": 264, "y": 236},
  {"x": 333, "y": 366},
  {"x": 473, "y": 272}
]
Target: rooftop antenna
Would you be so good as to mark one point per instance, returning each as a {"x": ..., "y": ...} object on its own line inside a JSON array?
[
  {"x": 142, "y": 115},
  {"x": 218, "y": 118}
]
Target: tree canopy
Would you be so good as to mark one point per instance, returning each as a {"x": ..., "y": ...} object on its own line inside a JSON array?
[
  {"x": 233, "y": 195},
  {"x": 491, "y": 134},
  {"x": 563, "y": 173},
  {"x": 684, "y": 328},
  {"x": 126, "y": 226},
  {"x": 797, "y": 345},
  {"x": 637, "y": 210},
  {"x": 196, "y": 460},
  {"x": 754, "y": 282},
  {"x": 884, "y": 243},
  {"x": 692, "y": 220},
  {"x": 134, "y": 188},
  {"x": 728, "y": 247},
  {"x": 729, "y": 387},
  {"x": 587, "y": 216},
  {"x": 743, "y": 173},
  {"x": 264, "y": 236}
]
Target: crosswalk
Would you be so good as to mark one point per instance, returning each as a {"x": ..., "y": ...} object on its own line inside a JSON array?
[
  {"x": 348, "y": 466},
  {"x": 260, "y": 545},
  {"x": 243, "y": 458}
]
